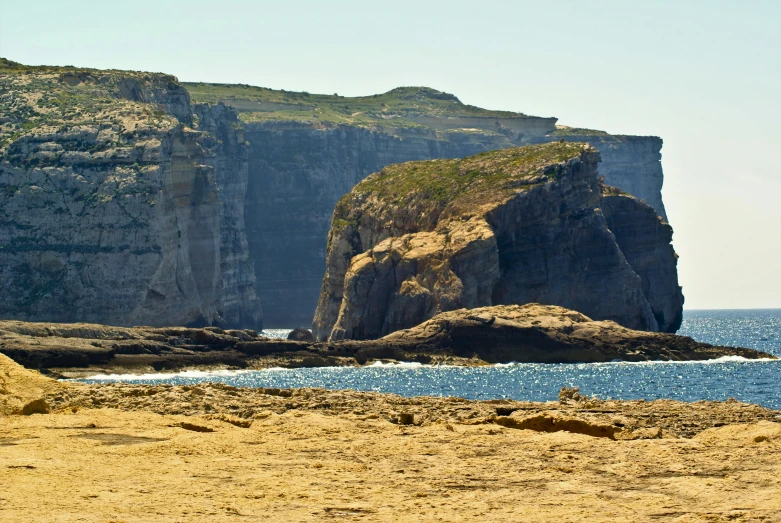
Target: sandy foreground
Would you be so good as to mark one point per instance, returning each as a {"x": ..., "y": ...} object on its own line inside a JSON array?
[{"x": 114, "y": 453}]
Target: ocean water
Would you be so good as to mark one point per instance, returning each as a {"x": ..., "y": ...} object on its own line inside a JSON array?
[{"x": 745, "y": 380}]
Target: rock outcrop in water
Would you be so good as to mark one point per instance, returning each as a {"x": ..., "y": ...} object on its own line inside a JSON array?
[
  {"x": 524, "y": 333},
  {"x": 306, "y": 151},
  {"x": 114, "y": 208},
  {"x": 507, "y": 227}
]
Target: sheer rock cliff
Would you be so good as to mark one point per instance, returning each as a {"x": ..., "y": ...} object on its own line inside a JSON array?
[
  {"x": 123, "y": 202},
  {"x": 113, "y": 206},
  {"x": 306, "y": 151}
]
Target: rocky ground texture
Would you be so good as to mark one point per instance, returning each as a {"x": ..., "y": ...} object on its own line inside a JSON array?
[{"x": 218, "y": 453}]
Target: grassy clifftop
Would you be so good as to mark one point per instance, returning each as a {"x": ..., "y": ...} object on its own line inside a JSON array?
[
  {"x": 45, "y": 99},
  {"x": 445, "y": 180},
  {"x": 428, "y": 186},
  {"x": 396, "y": 108}
]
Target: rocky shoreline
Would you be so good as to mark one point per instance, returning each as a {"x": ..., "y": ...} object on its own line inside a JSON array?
[
  {"x": 114, "y": 452},
  {"x": 516, "y": 333}
]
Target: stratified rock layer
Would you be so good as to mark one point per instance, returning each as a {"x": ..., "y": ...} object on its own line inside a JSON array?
[
  {"x": 114, "y": 208},
  {"x": 508, "y": 227}
]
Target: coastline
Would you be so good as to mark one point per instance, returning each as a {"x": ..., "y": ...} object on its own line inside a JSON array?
[{"x": 530, "y": 333}]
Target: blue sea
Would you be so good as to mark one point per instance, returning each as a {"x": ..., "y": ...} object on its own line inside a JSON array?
[{"x": 745, "y": 380}]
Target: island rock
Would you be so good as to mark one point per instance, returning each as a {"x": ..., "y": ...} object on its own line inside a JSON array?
[{"x": 513, "y": 226}]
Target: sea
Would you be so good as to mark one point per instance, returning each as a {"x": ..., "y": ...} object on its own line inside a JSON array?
[{"x": 752, "y": 381}]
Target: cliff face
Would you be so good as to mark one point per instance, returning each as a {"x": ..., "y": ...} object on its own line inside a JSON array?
[
  {"x": 110, "y": 205},
  {"x": 122, "y": 202},
  {"x": 309, "y": 150},
  {"x": 514, "y": 226},
  {"x": 228, "y": 155},
  {"x": 645, "y": 241},
  {"x": 296, "y": 177},
  {"x": 298, "y": 173},
  {"x": 632, "y": 163}
]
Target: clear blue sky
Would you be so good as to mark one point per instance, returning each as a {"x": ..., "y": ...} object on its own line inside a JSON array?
[{"x": 703, "y": 75}]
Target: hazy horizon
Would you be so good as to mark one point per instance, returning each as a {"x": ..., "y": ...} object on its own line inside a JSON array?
[{"x": 704, "y": 76}]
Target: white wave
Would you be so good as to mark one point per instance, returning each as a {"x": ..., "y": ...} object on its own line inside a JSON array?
[
  {"x": 166, "y": 375},
  {"x": 276, "y": 333},
  {"x": 722, "y": 359},
  {"x": 400, "y": 364}
]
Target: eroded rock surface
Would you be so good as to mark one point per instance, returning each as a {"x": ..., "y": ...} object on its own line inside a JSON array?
[
  {"x": 114, "y": 207},
  {"x": 507, "y": 227},
  {"x": 549, "y": 334}
]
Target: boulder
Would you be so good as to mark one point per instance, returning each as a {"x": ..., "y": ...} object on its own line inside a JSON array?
[{"x": 300, "y": 335}]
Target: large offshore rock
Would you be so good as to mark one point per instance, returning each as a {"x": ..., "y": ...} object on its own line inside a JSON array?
[
  {"x": 306, "y": 151},
  {"x": 298, "y": 173},
  {"x": 113, "y": 207},
  {"x": 507, "y": 227}
]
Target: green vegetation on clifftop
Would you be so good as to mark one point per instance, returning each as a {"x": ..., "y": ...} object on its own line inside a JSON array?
[
  {"x": 445, "y": 180},
  {"x": 477, "y": 180},
  {"x": 396, "y": 108}
]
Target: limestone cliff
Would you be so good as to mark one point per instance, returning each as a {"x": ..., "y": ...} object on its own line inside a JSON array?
[
  {"x": 113, "y": 206},
  {"x": 307, "y": 150},
  {"x": 506, "y": 227},
  {"x": 123, "y": 202}
]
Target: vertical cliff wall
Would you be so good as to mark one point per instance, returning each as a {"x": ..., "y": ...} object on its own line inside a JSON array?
[
  {"x": 632, "y": 163},
  {"x": 113, "y": 208},
  {"x": 297, "y": 174},
  {"x": 228, "y": 153}
]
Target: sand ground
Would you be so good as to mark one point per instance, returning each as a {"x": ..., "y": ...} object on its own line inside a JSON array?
[{"x": 323, "y": 463}]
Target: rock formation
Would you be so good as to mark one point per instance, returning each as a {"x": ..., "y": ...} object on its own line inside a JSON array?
[
  {"x": 23, "y": 391},
  {"x": 536, "y": 333},
  {"x": 530, "y": 333},
  {"x": 114, "y": 208},
  {"x": 124, "y": 203},
  {"x": 306, "y": 151},
  {"x": 506, "y": 227}
]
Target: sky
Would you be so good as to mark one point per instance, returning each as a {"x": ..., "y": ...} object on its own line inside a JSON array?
[{"x": 703, "y": 75}]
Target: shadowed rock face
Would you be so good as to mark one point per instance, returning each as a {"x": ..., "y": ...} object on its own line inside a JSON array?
[
  {"x": 645, "y": 241},
  {"x": 508, "y": 227}
]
